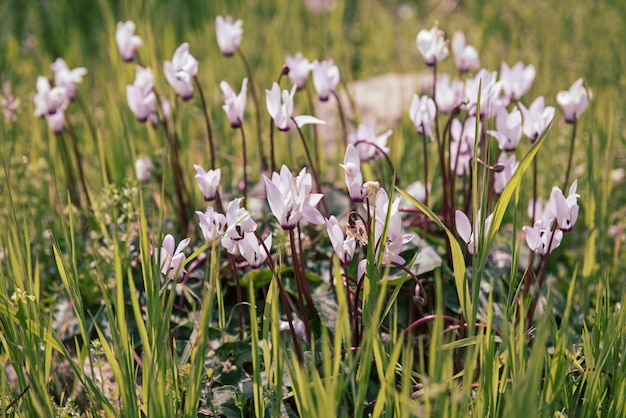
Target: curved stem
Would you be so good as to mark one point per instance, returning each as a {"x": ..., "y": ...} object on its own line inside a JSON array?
[{"x": 207, "y": 122}]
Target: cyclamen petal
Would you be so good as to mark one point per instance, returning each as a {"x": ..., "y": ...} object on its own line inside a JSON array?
[
  {"x": 229, "y": 34},
  {"x": 432, "y": 45},
  {"x": 181, "y": 71},
  {"x": 325, "y": 78},
  {"x": 127, "y": 41},
  {"x": 574, "y": 101}
]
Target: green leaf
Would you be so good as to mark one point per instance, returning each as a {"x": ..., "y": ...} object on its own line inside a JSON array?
[{"x": 458, "y": 261}]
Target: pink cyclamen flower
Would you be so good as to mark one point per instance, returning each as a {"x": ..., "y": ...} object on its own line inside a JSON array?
[
  {"x": 64, "y": 77},
  {"x": 282, "y": 110},
  {"x": 464, "y": 229},
  {"x": 127, "y": 41},
  {"x": 238, "y": 224},
  {"x": 508, "y": 131},
  {"x": 172, "y": 261},
  {"x": 352, "y": 173},
  {"x": 565, "y": 210},
  {"x": 212, "y": 224},
  {"x": 422, "y": 113},
  {"x": 208, "y": 181},
  {"x": 516, "y": 80},
  {"x": 465, "y": 56},
  {"x": 343, "y": 246},
  {"x": 299, "y": 69},
  {"x": 9, "y": 103},
  {"x": 536, "y": 118},
  {"x": 143, "y": 169},
  {"x": 235, "y": 104},
  {"x": 51, "y": 102},
  {"x": 573, "y": 101},
  {"x": 541, "y": 238},
  {"x": 432, "y": 45},
  {"x": 450, "y": 93},
  {"x": 229, "y": 34},
  {"x": 368, "y": 144},
  {"x": 290, "y": 198},
  {"x": 490, "y": 93},
  {"x": 140, "y": 94},
  {"x": 325, "y": 78},
  {"x": 501, "y": 178},
  {"x": 254, "y": 253},
  {"x": 181, "y": 71},
  {"x": 387, "y": 213}
]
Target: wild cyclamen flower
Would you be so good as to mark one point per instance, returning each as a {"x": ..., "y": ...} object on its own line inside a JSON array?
[
  {"x": 9, "y": 103},
  {"x": 235, "y": 103},
  {"x": 325, "y": 78},
  {"x": 51, "y": 103},
  {"x": 501, "y": 178},
  {"x": 127, "y": 41},
  {"x": 290, "y": 198},
  {"x": 208, "y": 181},
  {"x": 490, "y": 100},
  {"x": 462, "y": 144},
  {"x": 465, "y": 56},
  {"x": 364, "y": 140},
  {"x": 422, "y": 113},
  {"x": 450, "y": 94},
  {"x": 537, "y": 118},
  {"x": 541, "y": 238},
  {"x": 181, "y": 71},
  {"x": 352, "y": 168},
  {"x": 342, "y": 245},
  {"x": 212, "y": 224},
  {"x": 254, "y": 253},
  {"x": 239, "y": 223},
  {"x": 516, "y": 80},
  {"x": 299, "y": 69},
  {"x": 64, "y": 77},
  {"x": 432, "y": 46},
  {"x": 395, "y": 238},
  {"x": 565, "y": 210},
  {"x": 508, "y": 129},
  {"x": 172, "y": 261},
  {"x": 282, "y": 110},
  {"x": 464, "y": 229},
  {"x": 574, "y": 101},
  {"x": 143, "y": 169},
  {"x": 140, "y": 94},
  {"x": 229, "y": 34}
]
